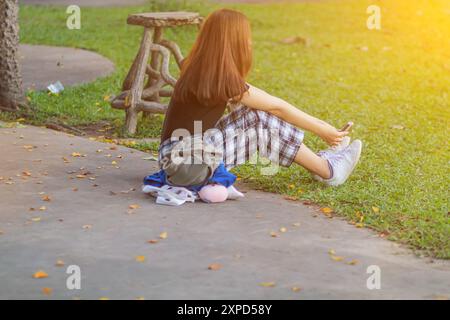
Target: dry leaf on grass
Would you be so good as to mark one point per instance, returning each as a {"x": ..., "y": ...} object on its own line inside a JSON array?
[
  {"x": 326, "y": 210},
  {"x": 296, "y": 39}
]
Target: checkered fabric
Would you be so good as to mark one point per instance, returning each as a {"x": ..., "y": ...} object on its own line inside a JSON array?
[{"x": 244, "y": 133}]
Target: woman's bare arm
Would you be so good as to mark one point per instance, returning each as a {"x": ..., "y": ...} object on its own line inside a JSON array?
[{"x": 258, "y": 99}]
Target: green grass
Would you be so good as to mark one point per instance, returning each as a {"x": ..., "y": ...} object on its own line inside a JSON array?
[{"x": 403, "y": 79}]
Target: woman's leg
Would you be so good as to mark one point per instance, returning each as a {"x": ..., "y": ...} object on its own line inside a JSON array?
[
  {"x": 312, "y": 162},
  {"x": 290, "y": 146}
]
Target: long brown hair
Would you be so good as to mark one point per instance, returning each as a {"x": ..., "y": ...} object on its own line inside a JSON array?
[{"x": 219, "y": 61}]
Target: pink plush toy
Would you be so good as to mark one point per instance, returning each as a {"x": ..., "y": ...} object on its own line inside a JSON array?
[{"x": 213, "y": 193}]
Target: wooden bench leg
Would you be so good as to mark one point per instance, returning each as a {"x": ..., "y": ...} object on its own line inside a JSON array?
[
  {"x": 132, "y": 112},
  {"x": 155, "y": 65}
]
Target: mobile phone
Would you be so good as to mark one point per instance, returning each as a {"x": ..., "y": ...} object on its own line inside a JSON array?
[{"x": 347, "y": 126}]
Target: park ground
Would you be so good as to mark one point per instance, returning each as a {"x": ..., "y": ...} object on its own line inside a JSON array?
[{"x": 393, "y": 83}]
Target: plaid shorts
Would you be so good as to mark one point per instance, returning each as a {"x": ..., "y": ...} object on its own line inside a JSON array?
[{"x": 244, "y": 133}]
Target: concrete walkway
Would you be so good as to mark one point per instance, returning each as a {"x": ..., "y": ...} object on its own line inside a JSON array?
[
  {"x": 43, "y": 65},
  {"x": 88, "y": 222}
]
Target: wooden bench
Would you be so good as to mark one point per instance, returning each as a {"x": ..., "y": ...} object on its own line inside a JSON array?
[{"x": 152, "y": 59}]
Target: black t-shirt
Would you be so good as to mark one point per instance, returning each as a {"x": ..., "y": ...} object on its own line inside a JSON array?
[{"x": 181, "y": 115}]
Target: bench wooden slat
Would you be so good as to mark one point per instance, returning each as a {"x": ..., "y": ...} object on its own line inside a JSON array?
[{"x": 164, "y": 19}]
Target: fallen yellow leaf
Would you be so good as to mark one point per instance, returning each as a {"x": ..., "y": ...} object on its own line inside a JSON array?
[
  {"x": 47, "y": 291},
  {"x": 163, "y": 235},
  {"x": 353, "y": 262},
  {"x": 273, "y": 234},
  {"x": 59, "y": 263},
  {"x": 376, "y": 209},
  {"x": 46, "y": 198},
  {"x": 267, "y": 284},
  {"x": 215, "y": 266},
  {"x": 140, "y": 258},
  {"x": 326, "y": 210},
  {"x": 134, "y": 206},
  {"x": 283, "y": 229},
  {"x": 440, "y": 297},
  {"x": 296, "y": 289},
  {"x": 40, "y": 274},
  {"x": 336, "y": 258}
]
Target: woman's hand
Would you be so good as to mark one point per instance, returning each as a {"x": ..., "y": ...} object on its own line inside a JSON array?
[
  {"x": 330, "y": 134},
  {"x": 258, "y": 99}
]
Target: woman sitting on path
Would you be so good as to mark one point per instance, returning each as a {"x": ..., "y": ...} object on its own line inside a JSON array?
[{"x": 213, "y": 76}]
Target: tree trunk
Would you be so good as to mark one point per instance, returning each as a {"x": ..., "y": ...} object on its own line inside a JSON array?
[{"x": 11, "y": 87}]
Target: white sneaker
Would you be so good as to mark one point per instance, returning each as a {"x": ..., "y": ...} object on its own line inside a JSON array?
[
  {"x": 341, "y": 146},
  {"x": 343, "y": 163}
]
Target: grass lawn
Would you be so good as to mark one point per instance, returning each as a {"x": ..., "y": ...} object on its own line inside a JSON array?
[{"x": 394, "y": 84}]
